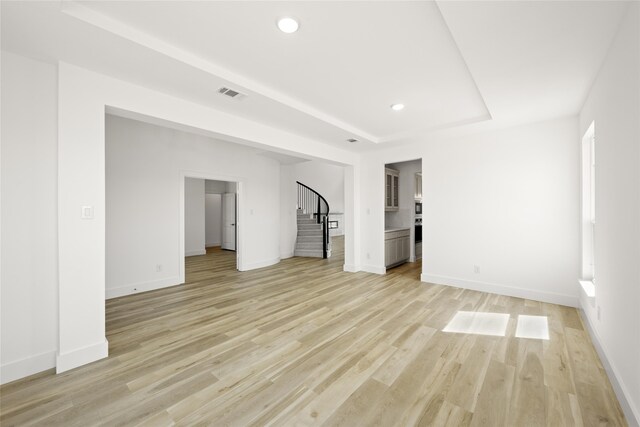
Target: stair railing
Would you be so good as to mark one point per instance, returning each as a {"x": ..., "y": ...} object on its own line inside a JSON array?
[{"x": 310, "y": 201}]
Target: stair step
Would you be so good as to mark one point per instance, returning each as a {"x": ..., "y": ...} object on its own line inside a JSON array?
[
  {"x": 308, "y": 245},
  {"x": 311, "y": 233},
  {"x": 312, "y": 226},
  {"x": 308, "y": 253},
  {"x": 307, "y": 220}
]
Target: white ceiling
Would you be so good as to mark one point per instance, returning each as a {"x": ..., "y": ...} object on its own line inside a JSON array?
[{"x": 455, "y": 65}]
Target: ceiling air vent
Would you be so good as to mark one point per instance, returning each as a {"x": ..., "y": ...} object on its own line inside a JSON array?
[{"x": 231, "y": 93}]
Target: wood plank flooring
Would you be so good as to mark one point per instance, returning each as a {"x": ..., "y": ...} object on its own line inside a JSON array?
[{"x": 304, "y": 343}]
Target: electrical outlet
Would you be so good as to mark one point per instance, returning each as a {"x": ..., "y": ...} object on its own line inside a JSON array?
[
  {"x": 158, "y": 268},
  {"x": 368, "y": 255},
  {"x": 476, "y": 269},
  {"x": 598, "y": 312}
]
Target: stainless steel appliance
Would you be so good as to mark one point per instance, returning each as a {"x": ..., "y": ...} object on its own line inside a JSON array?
[
  {"x": 418, "y": 208},
  {"x": 418, "y": 230}
]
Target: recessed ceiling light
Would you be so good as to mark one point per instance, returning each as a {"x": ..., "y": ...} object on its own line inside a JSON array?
[
  {"x": 288, "y": 25},
  {"x": 397, "y": 107},
  {"x": 352, "y": 140}
]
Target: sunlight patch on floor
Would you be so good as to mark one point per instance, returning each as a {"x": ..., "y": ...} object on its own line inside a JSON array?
[
  {"x": 471, "y": 322},
  {"x": 534, "y": 327}
]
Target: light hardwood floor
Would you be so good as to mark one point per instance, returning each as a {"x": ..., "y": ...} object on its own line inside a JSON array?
[{"x": 303, "y": 343}]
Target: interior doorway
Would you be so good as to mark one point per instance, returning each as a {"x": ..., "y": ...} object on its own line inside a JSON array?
[
  {"x": 220, "y": 207},
  {"x": 210, "y": 223},
  {"x": 403, "y": 206}
]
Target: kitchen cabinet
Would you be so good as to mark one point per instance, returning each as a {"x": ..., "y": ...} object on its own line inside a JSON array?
[
  {"x": 418, "y": 186},
  {"x": 396, "y": 246},
  {"x": 392, "y": 187}
]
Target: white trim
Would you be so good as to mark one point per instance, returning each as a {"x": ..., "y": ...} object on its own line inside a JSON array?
[
  {"x": 494, "y": 288},
  {"x": 374, "y": 269},
  {"x": 196, "y": 253},
  {"x": 260, "y": 264},
  {"x": 286, "y": 255},
  {"x": 350, "y": 268},
  {"x": 622, "y": 393},
  {"x": 135, "y": 288},
  {"x": 588, "y": 288},
  {"x": 588, "y": 291},
  {"x": 28, "y": 366},
  {"x": 212, "y": 245},
  {"x": 82, "y": 356}
]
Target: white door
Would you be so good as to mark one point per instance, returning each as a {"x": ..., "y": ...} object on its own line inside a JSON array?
[{"x": 229, "y": 221}]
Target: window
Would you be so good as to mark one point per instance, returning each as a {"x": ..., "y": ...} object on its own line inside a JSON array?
[{"x": 588, "y": 205}]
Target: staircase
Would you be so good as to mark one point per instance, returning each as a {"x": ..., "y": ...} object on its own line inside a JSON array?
[
  {"x": 310, "y": 235},
  {"x": 312, "y": 217}
]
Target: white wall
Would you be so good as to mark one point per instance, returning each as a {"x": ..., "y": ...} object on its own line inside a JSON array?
[
  {"x": 29, "y": 275},
  {"x": 144, "y": 164},
  {"x": 614, "y": 104},
  {"x": 288, "y": 225},
  {"x": 194, "y": 217},
  {"x": 213, "y": 219},
  {"x": 506, "y": 201},
  {"x": 325, "y": 178},
  {"x": 214, "y": 187}
]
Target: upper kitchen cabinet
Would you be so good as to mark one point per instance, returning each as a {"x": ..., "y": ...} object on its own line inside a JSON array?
[
  {"x": 392, "y": 185},
  {"x": 418, "y": 186}
]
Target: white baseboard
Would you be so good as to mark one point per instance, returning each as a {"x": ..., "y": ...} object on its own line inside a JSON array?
[
  {"x": 287, "y": 255},
  {"x": 350, "y": 268},
  {"x": 141, "y": 287},
  {"x": 260, "y": 264},
  {"x": 374, "y": 269},
  {"x": 622, "y": 393},
  {"x": 195, "y": 253},
  {"x": 214, "y": 244},
  {"x": 532, "y": 294},
  {"x": 81, "y": 356},
  {"x": 28, "y": 366}
]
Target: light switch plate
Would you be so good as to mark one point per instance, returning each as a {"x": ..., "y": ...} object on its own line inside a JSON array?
[{"x": 87, "y": 212}]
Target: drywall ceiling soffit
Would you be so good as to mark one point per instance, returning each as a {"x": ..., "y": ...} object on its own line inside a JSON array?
[
  {"x": 283, "y": 159},
  {"x": 454, "y": 64},
  {"x": 533, "y": 60},
  {"x": 358, "y": 67},
  {"x": 40, "y": 30}
]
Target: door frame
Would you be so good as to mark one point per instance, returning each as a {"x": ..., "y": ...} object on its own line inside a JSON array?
[{"x": 184, "y": 174}]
